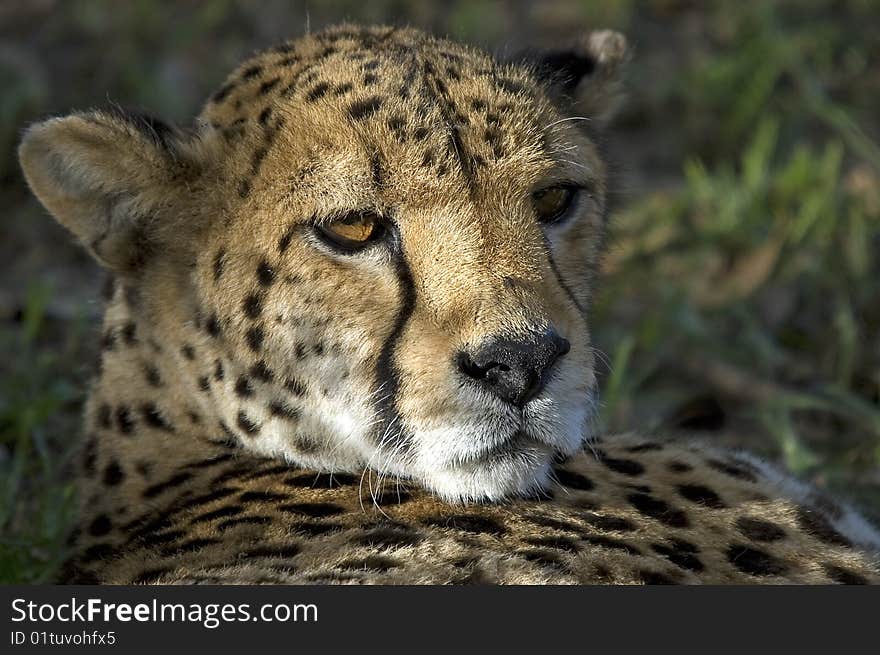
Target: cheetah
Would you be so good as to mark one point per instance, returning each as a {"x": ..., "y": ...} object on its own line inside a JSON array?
[{"x": 347, "y": 339}]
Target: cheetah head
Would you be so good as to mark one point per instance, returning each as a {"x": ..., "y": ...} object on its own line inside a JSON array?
[{"x": 383, "y": 242}]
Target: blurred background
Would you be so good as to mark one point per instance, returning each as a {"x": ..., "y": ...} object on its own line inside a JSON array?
[{"x": 740, "y": 301}]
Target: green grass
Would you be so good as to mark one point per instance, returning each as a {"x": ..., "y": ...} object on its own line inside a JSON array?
[
  {"x": 39, "y": 406},
  {"x": 739, "y": 301}
]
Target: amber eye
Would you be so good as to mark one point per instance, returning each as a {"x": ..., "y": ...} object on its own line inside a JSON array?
[
  {"x": 552, "y": 203},
  {"x": 353, "y": 231}
]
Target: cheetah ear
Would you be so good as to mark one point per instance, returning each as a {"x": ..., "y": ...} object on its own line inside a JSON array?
[
  {"x": 588, "y": 77},
  {"x": 108, "y": 177}
]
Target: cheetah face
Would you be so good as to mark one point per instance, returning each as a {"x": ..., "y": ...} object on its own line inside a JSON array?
[{"x": 386, "y": 243}]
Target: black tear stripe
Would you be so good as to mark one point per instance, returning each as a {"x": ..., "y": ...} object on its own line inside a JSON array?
[
  {"x": 560, "y": 279},
  {"x": 387, "y": 375}
]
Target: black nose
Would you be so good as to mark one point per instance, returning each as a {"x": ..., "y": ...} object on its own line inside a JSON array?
[{"x": 514, "y": 370}]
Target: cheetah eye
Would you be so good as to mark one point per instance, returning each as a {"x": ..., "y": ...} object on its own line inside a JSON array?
[
  {"x": 552, "y": 203},
  {"x": 353, "y": 231}
]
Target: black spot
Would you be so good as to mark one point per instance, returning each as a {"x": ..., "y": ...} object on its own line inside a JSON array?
[
  {"x": 509, "y": 85},
  {"x": 217, "y": 494},
  {"x": 221, "y": 513},
  {"x": 679, "y": 467},
  {"x": 246, "y": 424},
  {"x": 701, "y": 495},
  {"x": 734, "y": 471},
  {"x": 281, "y": 551},
  {"x": 420, "y": 133},
  {"x": 573, "y": 480},
  {"x": 261, "y": 372},
  {"x": 218, "y": 263},
  {"x": 188, "y": 352},
  {"x": 844, "y": 576},
  {"x": 267, "y": 86},
  {"x": 174, "y": 481},
  {"x": 244, "y": 188},
  {"x": 283, "y": 410},
  {"x": 123, "y": 420},
  {"x": 129, "y": 333},
  {"x": 188, "y": 546},
  {"x": 754, "y": 562},
  {"x": 251, "y": 72},
  {"x": 244, "y": 520},
  {"x": 113, "y": 474},
  {"x": 659, "y": 509},
  {"x": 604, "y": 522},
  {"x": 644, "y": 447},
  {"x": 369, "y": 563},
  {"x": 151, "y": 373},
  {"x": 243, "y": 388},
  {"x": 295, "y": 387},
  {"x": 318, "y": 91},
  {"x": 153, "y": 417},
  {"x": 543, "y": 557},
  {"x": 388, "y": 496},
  {"x": 211, "y": 461},
  {"x": 820, "y": 527},
  {"x": 284, "y": 241},
  {"x": 212, "y": 326},
  {"x": 759, "y": 530},
  {"x": 265, "y": 274},
  {"x": 681, "y": 558},
  {"x": 100, "y": 526},
  {"x": 468, "y": 523},
  {"x": 361, "y": 109},
  {"x": 263, "y": 118},
  {"x": 204, "y": 383},
  {"x": 271, "y": 471},
  {"x": 218, "y": 370},
  {"x": 556, "y": 524},
  {"x": 261, "y": 496},
  {"x": 252, "y": 305},
  {"x": 396, "y": 123},
  {"x": 623, "y": 466},
  {"x": 254, "y": 338},
  {"x": 312, "y": 510}
]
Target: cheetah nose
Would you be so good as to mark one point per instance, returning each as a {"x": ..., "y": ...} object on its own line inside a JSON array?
[{"x": 515, "y": 370}]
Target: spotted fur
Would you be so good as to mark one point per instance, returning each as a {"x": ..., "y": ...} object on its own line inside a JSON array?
[{"x": 270, "y": 409}]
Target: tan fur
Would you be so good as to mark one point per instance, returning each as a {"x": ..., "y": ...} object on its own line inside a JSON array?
[{"x": 234, "y": 334}]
